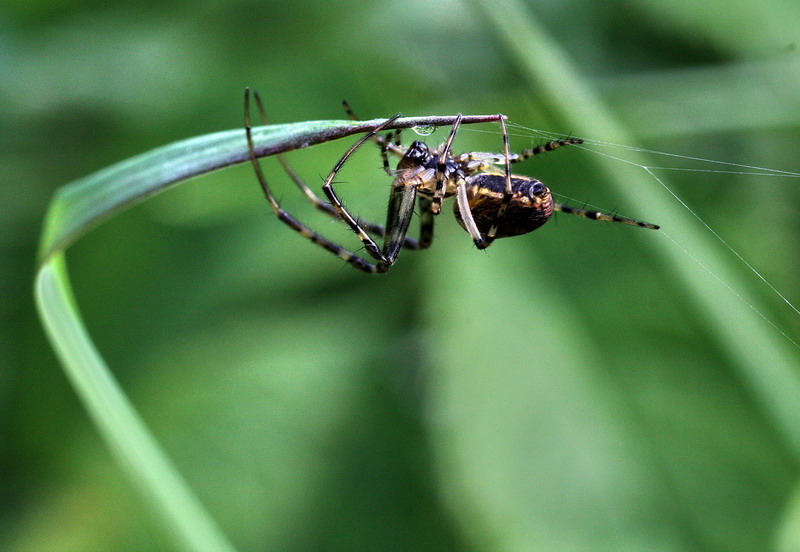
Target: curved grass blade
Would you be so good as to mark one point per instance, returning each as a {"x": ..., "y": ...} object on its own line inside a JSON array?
[
  {"x": 79, "y": 206},
  {"x": 126, "y": 435}
]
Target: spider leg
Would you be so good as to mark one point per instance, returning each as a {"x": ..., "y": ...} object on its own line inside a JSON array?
[
  {"x": 398, "y": 218},
  {"x": 285, "y": 217},
  {"x": 318, "y": 202},
  {"x": 438, "y": 193},
  {"x": 477, "y": 161},
  {"x": 401, "y": 209},
  {"x": 507, "y": 193},
  {"x": 597, "y": 215},
  {"x": 323, "y": 206},
  {"x": 544, "y": 148},
  {"x": 384, "y": 148},
  {"x": 425, "y": 223},
  {"x": 466, "y": 216}
]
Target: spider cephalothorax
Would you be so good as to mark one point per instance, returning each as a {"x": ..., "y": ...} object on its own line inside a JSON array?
[
  {"x": 418, "y": 154},
  {"x": 491, "y": 202},
  {"x": 419, "y": 164}
]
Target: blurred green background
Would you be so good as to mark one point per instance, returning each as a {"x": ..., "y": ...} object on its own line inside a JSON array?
[{"x": 563, "y": 391}]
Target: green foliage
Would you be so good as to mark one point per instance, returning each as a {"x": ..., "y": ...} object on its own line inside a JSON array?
[{"x": 586, "y": 387}]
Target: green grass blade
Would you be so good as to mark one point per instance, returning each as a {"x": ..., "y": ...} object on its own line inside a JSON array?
[{"x": 124, "y": 431}]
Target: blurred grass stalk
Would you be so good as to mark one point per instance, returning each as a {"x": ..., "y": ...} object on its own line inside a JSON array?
[
  {"x": 667, "y": 99},
  {"x": 764, "y": 359},
  {"x": 120, "y": 425}
]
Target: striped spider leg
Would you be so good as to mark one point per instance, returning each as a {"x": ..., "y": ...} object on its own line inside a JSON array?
[
  {"x": 401, "y": 207},
  {"x": 316, "y": 201}
]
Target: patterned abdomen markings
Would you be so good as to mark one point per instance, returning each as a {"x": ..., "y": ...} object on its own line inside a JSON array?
[{"x": 530, "y": 207}]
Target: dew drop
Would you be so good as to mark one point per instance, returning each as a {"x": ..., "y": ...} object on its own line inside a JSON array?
[{"x": 424, "y": 130}]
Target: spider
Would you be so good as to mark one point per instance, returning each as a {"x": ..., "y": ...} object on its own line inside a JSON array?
[{"x": 490, "y": 203}]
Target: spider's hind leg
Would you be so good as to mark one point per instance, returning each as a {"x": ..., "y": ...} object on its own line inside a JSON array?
[
  {"x": 400, "y": 211},
  {"x": 597, "y": 215}
]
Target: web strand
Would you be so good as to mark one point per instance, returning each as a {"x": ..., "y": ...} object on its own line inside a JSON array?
[
  {"x": 725, "y": 167},
  {"x": 725, "y": 243}
]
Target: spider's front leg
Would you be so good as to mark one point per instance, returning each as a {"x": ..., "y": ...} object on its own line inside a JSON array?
[
  {"x": 400, "y": 211},
  {"x": 441, "y": 166}
]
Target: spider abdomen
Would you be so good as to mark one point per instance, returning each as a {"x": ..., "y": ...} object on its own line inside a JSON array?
[{"x": 530, "y": 207}]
